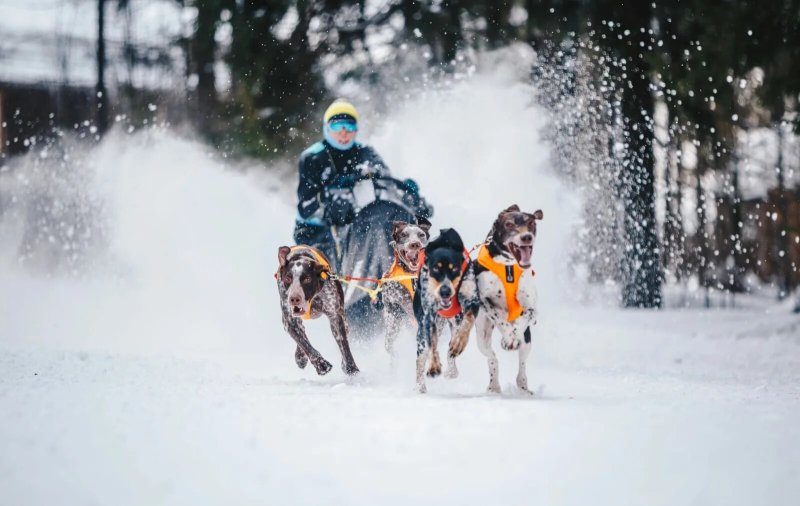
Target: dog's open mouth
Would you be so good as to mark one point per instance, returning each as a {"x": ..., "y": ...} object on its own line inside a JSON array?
[
  {"x": 411, "y": 257},
  {"x": 298, "y": 310},
  {"x": 446, "y": 303},
  {"x": 522, "y": 254}
]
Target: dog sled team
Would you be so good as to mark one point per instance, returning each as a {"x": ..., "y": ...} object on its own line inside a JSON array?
[{"x": 432, "y": 284}]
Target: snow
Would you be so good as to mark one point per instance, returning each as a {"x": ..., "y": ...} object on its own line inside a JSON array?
[
  {"x": 160, "y": 374},
  {"x": 650, "y": 414}
]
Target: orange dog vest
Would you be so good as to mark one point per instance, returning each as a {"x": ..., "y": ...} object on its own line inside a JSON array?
[
  {"x": 399, "y": 274},
  {"x": 509, "y": 275}
]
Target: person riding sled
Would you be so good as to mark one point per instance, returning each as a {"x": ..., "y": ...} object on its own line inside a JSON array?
[{"x": 329, "y": 171}]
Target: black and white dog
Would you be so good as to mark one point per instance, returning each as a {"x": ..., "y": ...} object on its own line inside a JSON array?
[
  {"x": 506, "y": 290},
  {"x": 397, "y": 295},
  {"x": 307, "y": 291},
  {"x": 446, "y": 295}
]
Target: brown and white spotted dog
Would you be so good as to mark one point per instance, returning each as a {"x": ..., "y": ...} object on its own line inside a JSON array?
[
  {"x": 446, "y": 296},
  {"x": 508, "y": 298},
  {"x": 308, "y": 292},
  {"x": 397, "y": 295}
]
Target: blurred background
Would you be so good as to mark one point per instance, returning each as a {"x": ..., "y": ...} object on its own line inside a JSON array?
[{"x": 674, "y": 120}]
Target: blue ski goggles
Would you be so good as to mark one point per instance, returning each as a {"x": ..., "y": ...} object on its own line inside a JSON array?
[{"x": 339, "y": 125}]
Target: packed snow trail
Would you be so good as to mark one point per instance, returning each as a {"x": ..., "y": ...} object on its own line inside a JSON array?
[
  {"x": 156, "y": 370},
  {"x": 631, "y": 410}
]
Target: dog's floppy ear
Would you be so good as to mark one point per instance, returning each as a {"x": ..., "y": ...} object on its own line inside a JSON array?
[
  {"x": 397, "y": 226},
  {"x": 538, "y": 214},
  {"x": 320, "y": 270},
  {"x": 424, "y": 224},
  {"x": 512, "y": 209},
  {"x": 451, "y": 239},
  {"x": 283, "y": 252}
]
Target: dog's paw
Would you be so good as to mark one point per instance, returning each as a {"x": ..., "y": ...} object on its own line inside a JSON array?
[
  {"x": 350, "y": 369},
  {"x": 323, "y": 367},
  {"x": 422, "y": 389},
  {"x": 522, "y": 384},
  {"x": 493, "y": 388},
  {"x": 457, "y": 347},
  {"x": 435, "y": 369},
  {"x": 510, "y": 344}
]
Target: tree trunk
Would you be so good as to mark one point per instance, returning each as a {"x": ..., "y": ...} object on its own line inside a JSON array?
[
  {"x": 784, "y": 261},
  {"x": 101, "y": 96},
  {"x": 642, "y": 273},
  {"x": 202, "y": 54}
]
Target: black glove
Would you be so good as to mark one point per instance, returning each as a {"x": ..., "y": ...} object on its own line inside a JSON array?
[{"x": 346, "y": 181}]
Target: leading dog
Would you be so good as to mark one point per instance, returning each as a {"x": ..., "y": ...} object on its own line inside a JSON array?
[
  {"x": 446, "y": 296},
  {"x": 307, "y": 291},
  {"x": 508, "y": 298}
]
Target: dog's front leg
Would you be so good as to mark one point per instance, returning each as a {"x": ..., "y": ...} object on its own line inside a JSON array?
[
  {"x": 459, "y": 333},
  {"x": 484, "y": 327},
  {"x": 392, "y": 314},
  {"x": 424, "y": 331},
  {"x": 300, "y": 358},
  {"x": 339, "y": 331},
  {"x": 295, "y": 328},
  {"x": 435, "y": 368},
  {"x": 459, "y": 337},
  {"x": 524, "y": 351}
]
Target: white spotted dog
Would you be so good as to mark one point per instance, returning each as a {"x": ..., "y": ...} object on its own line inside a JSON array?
[
  {"x": 506, "y": 289},
  {"x": 446, "y": 296},
  {"x": 307, "y": 291},
  {"x": 400, "y": 281}
]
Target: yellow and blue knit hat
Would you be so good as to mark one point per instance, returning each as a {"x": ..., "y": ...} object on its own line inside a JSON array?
[{"x": 340, "y": 109}]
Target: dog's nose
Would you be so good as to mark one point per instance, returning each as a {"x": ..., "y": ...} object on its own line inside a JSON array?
[
  {"x": 526, "y": 238},
  {"x": 445, "y": 292},
  {"x": 415, "y": 245},
  {"x": 295, "y": 300}
]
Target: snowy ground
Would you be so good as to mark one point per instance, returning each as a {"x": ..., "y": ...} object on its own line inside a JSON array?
[
  {"x": 632, "y": 409},
  {"x": 161, "y": 375}
]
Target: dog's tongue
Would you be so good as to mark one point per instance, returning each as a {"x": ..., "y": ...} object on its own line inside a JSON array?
[
  {"x": 412, "y": 257},
  {"x": 524, "y": 255}
]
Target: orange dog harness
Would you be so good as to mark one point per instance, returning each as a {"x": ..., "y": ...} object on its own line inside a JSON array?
[
  {"x": 509, "y": 275},
  {"x": 399, "y": 274}
]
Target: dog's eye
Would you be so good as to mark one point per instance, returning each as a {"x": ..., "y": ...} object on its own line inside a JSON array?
[
  {"x": 305, "y": 279},
  {"x": 510, "y": 225},
  {"x": 287, "y": 279}
]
